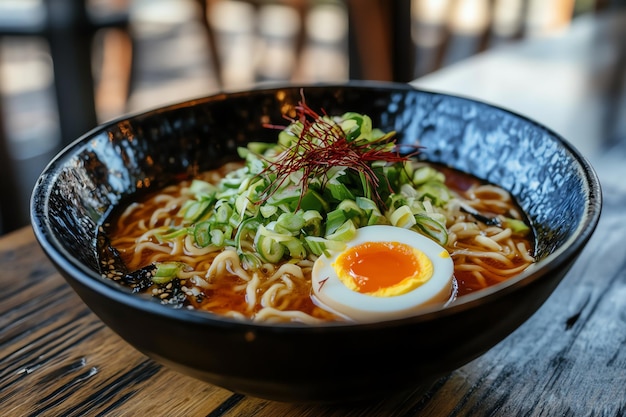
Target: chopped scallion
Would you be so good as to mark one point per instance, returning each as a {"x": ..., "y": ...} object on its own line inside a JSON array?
[{"x": 166, "y": 271}]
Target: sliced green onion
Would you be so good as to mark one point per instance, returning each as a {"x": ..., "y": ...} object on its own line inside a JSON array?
[
  {"x": 351, "y": 209},
  {"x": 287, "y": 136},
  {"x": 516, "y": 226},
  {"x": 258, "y": 148},
  {"x": 289, "y": 223},
  {"x": 339, "y": 191},
  {"x": 232, "y": 182},
  {"x": 312, "y": 223},
  {"x": 195, "y": 210},
  {"x": 288, "y": 196},
  {"x": 366, "y": 204},
  {"x": 395, "y": 201},
  {"x": 227, "y": 230},
  {"x": 296, "y": 248},
  {"x": 172, "y": 234},
  {"x": 202, "y": 189},
  {"x": 427, "y": 173},
  {"x": 432, "y": 229},
  {"x": 243, "y": 204},
  {"x": 319, "y": 245},
  {"x": 409, "y": 191},
  {"x": 312, "y": 200},
  {"x": 250, "y": 261},
  {"x": 376, "y": 217},
  {"x": 166, "y": 271},
  {"x": 246, "y": 231},
  {"x": 269, "y": 249},
  {"x": 223, "y": 211},
  {"x": 201, "y": 234},
  {"x": 243, "y": 152},
  {"x": 367, "y": 190},
  {"x": 437, "y": 192},
  {"x": 344, "y": 233},
  {"x": 267, "y": 210},
  {"x": 334, "y": 220},
  {"x": 402, "y": 217},
  {"x": 217, "y": 238}
]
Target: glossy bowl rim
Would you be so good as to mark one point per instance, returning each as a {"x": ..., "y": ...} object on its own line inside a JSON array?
[{"x": 87, "y": 277}]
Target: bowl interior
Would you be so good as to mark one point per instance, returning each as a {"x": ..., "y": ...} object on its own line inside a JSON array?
[{"x": 114, "y": 163}]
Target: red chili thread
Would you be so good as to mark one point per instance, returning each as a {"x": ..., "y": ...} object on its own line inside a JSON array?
[
  {"x": 334, "y": 149},
  {"x": 322, "y": 282}
]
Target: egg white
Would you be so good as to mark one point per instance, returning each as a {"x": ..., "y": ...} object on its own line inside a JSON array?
[{"x": 333, "y": 295}]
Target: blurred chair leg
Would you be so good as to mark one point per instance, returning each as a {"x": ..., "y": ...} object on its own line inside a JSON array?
[
  {"x": 370, "y": 40},
  {"x": 205, "y": 7},
  {"x": 113, "y": 86},
  {"x": 381, "y": 47},
  {"x": 70, "y": 38},
  {"x": 11, "y": 212},
  {"x": 403, "y": 47}
]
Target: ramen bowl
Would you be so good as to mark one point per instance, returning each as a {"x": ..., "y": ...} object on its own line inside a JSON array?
[{"x": 332, "y": 362}]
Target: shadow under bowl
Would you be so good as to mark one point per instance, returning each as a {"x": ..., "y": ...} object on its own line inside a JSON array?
[{"x": 551, "y": 181}]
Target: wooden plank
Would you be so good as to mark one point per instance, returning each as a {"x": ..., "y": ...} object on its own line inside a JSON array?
[{"x": 58, "y": 358}]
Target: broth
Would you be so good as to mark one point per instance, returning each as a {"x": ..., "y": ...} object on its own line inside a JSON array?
[{"x": 258, "y": 294}]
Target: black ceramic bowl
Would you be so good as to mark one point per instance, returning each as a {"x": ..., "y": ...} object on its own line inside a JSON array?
[{"x": 554, "y": 185}]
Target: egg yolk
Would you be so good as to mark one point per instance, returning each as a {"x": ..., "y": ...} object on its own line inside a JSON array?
[{"x": 383, "y": 268}]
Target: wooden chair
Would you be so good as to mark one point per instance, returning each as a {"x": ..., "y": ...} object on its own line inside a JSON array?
[
  {"x": 68, "y": 28},
  {"x": 10, "y": 210},
  {"x": 387, "y": 40},
  {"x": 404, "y": 39}
]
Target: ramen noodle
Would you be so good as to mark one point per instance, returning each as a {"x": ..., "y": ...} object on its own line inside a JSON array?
[{"x": 241, "y": 241}]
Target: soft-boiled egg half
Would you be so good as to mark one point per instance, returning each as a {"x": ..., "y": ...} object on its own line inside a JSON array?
[{"x": 384, "y": 273}]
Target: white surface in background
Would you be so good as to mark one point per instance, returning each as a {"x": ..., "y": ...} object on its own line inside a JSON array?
[
  {"x": 564, "y": 82},
  {"x": 528, "y": 78}
]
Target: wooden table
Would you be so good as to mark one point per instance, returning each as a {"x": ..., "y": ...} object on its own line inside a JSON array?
[{"x": 569, "y": 359}]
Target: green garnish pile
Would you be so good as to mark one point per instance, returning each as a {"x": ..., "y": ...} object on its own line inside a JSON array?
[{"x": 309, "y": 192}]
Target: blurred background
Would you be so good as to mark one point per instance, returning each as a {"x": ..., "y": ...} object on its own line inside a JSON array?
[{"x": 68, "y": 65}]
